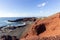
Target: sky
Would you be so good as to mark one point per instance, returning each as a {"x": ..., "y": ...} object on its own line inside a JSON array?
[{"x": 28, "y": 8}]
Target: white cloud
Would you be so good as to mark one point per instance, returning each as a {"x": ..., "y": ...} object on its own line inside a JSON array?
[
  {"x": 11, "y": 14},
  {"x": 41, "y": 5},
  {"x": 41, "y": 11},
  {"x": 3, "y": 14}
]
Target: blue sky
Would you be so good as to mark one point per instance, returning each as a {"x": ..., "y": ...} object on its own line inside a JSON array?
[{"x": 28, "y": 8}]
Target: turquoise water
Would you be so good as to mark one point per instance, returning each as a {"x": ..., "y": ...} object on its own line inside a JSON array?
[{"x": 4, "y": 20}]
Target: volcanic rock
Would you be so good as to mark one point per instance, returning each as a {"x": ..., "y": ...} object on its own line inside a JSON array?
[
  {"x": 44, "y": 28},
  {"x": 23, "y": 19}
]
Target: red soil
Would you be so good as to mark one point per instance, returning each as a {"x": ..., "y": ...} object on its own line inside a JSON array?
[{"x": 44, "y": 28}]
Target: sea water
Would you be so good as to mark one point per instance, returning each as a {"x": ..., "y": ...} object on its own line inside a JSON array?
[{"x": 4, "y": 20}]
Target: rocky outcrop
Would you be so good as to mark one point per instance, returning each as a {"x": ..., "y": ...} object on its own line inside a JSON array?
[
  {"x": 24, "y": 19},
  {"x": 8, "y": 37},
  {"x": 44, "y": 28}
]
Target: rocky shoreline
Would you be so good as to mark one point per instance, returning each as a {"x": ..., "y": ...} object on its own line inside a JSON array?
[
  {"x": 44, "y": 29},
  {"x": 15, "y": 30}
]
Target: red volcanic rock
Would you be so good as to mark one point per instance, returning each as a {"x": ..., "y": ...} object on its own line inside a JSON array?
[{"x": 47, "y": 27}]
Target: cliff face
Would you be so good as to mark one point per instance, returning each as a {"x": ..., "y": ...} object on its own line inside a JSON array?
[{"x": 47, "y": 27}]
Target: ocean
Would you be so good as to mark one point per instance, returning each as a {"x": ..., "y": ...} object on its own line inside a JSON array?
[{"x": 4, "y": 20}]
